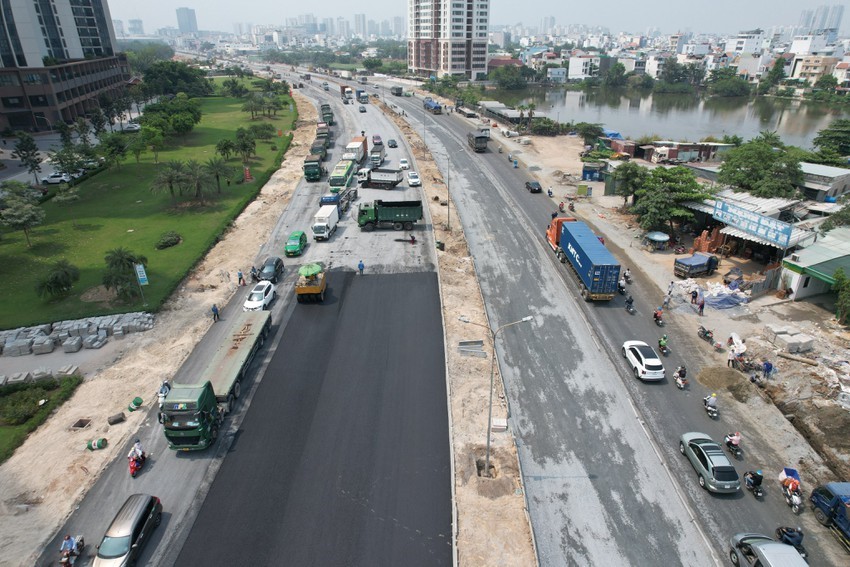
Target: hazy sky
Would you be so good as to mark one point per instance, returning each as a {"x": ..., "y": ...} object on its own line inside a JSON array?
[{"x": 618, "y": 15}]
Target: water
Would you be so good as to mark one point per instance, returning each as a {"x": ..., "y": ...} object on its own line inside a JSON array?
[{"x": 679, "y": 117}]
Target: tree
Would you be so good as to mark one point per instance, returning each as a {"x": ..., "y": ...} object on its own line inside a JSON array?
[
  {"x": 726, "y": 82},
  {"x": 197, "y": 178},
  {"x": 837, "y": 219},
  {"x": 114, "y": 148},
  {"x": 660, "y": 199},
  {"x": 836, "y": 137},
  {"x": 827, "y": 83},
  {"x": 168, "y": 177},
  {"x": 225, "y": 148},
  {"x": 254, "y": 105},
  {"x": 98, "y": 122},
  {"x": 761, "y": 169},
  {"x": 21, "y": 213},
  {"x": 773, "y": 77},
  {"x": 245, "y": 145},
  {"x": 842, "y": 304},
  {"x": 67, "y": 194},
  {"x": 233, "y": 87},
  {"x": 182, "y": 124},
  {"x": 172, "y": 77},
  {"x": 138, "y": 145},
  {"x": 120, "y": 272},
  {"x": 508, "y": 77},
  {"x": 65, "y": 132},
  {"x": 81, "y": 128},
  {"x": 262, "y": 131},
  {"x": 26, "y": 150},
  {"x": 589, "y": 132},
  {"x": 629, "y": 178},
  {"x": 107, "y": 105},
  {"x": 616, "y": 76},
  {"x": 769, "y": 137},
  {"x": 59, "y": 280},
  {"x": 154, "y": 139},
  {"x": 372, "y": 64},
  {"x": 218, "y": 169}
]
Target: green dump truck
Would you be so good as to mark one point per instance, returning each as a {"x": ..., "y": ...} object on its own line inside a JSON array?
[
  {"x": 192, "y": 413},
  {"x": 396, "y": 214},
  {"x": 319, "y": 148},
  {"x": 327, "y": 114},
  {"x": 313, "y": 168}
]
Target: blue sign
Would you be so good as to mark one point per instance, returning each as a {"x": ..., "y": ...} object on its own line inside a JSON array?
[
  {"x": 774, "y": 231},
  {"x": 141, "y": 275}
]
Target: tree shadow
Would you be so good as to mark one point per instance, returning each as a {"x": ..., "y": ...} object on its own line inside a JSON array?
[
  {"x": 86, "y": 227},
  {"x": 49, "y": 249}
]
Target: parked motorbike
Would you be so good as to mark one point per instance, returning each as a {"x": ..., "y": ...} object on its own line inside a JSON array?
[
  {"x": 708, "y": 336},
  {"x": 712, "y": 411},
  {"x": 136, "y": 464},
  {"x": 679, "y": 377},
  {"x": 69, "y": 558},
  {"x": 733, "y": 445},
  {"x": 630, "y": 305},
  {"x": 752, "y": 480},
  {"x": 572, "y": 207},
  {"x": 793, "y": 537}
]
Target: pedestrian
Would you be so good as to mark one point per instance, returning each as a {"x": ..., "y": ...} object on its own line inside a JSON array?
[
  {"x": 766, "y": 369},
  {"x": 666, "y": 302},
  {"x": 214, "y": 310},
  {"x": 701, "y": 305},
  {"x": 670, "y": 288},
  {"x": 730, "y": 358},
  {"x": 240, "y": 277},
  {"x": 360, "y": 267},
  {"x": 4, "y": 141},
  {"x": 694, "y": 295},
  {"x": 254, "y": 276}
]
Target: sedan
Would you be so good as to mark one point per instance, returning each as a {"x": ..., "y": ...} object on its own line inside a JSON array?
[
  {"x": 362, "y": 108},
  {"x": 261, "y": 297},
  {"x": 413, "y": 179},
  {"x": 392, "y": 143},
  {"x": 296, "y": 243},
  {"x": 272, "y": 269},
  {"x": 715, "y": 471},
  {"x": 403, "y": 164},
  {"x": 56, "y": 178},
  {"x": 644, "y": 362},
  {"x": 533, "y": 187},
  {"x": 757, "y": 549}
]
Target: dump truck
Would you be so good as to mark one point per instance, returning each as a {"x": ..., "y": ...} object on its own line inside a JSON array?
[
  {"x": 477, "y": 141},
  {"x": 700, "y": 264},
  {"x": 324, "y": 132},
  {"x": 342, "y": 200},
  {"x": 380, "y": 178},
  {"x": 356, "y": 150},
  {"x": 192, "y": 413},
  {"x": 325, "y": 222},
  {"x": 319, "y": 148},
  {"x": 831, "y": 505},
  {"x": 397, "y": 214},
  {"x": 597, "y": 270},
  {"x": 377, "y": 155},
  {"x": 432, "y": 106},
  {"x": 312, "y": 283},
  {"x": 313, "y": 168},
  {"x": 396, "y": 91},
  {"x": 327, "y": 114}
]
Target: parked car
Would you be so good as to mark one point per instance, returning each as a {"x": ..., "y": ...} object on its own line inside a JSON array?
[
  {"x": 533, "y": 187},
  {"x": 56, "y": 178},
  {"x": 403, "y": 164},
  {"x": 77, "y": 174},
  {"x": 296, "y": 243},
  {"x": 362, "y": 108},
  {"x": 272, "y": 269},
  {"x": 413, "y": 179},
  {"x": 392, "y": 143},
  {"x": 716, "y": 473},
  {"x": 261, "y": 297},
  {"x": 757, "y": 549},
  {"x": 129, "y": 531},
  {"x": 643, "y": 360},
  {"x": 130, "y": 127}
]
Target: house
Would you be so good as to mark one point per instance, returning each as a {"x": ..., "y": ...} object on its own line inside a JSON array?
[
  {"x": 497, "y": 62},
  {"x": 584, "y": 67},
  {"x": 812, "y": 67},
  {"x": 824, "y": 182},
  {"x": 811, "y": 270},
  {"x": 556, "y": 75}
]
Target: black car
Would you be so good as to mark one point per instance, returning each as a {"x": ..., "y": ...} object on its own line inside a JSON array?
[
  {"x": 392, "y": 143},
  {"x": 272, "y": 269},
  {"x": 533, "y": 187}
]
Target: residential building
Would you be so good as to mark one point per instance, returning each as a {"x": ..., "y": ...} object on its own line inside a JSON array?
[
  {"x": 448, "y": 38},
  {"x": 186, "y": 20},
  {"x": 583, "y": 67},
  {"x": 360, "y": 25},
  {"x": 812, "y": 67},
  {"x": 135, "y": 27},
  {"x": 556, "y": 75},
  {"x": 824, "y": 182},
  {"x": 811, "y": 270},
  {"x": 808, "y": 44},
  {"x": 633, "y": 64},
  {"x": 752, "y": 41},
  {"x": 842, "y": 74},
  {"x": 500, "y": 38},
  {"x": 56, "y": 63},
  {"x": 118, "y": 26},
  {"x": 655, "y": 64}
]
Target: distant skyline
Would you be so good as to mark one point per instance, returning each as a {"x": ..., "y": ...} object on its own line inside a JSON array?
[{"x": 719, "y": 16}]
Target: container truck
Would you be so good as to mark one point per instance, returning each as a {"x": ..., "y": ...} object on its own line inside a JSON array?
[
  {"x": 342, "y": 200},
  {"x": 345, "y": 92},
  {"x": 357, "y": 149},
  {"x": 477, "y": 141},
  {"x": 313, "y": 169},
  {"x": 553, "y": 232},
  {"x": 192, "y": 413},
  {"x": 397, "y": 214},
  {"x": 377, "y": 155},
  {"x": 700, "y": 264},
  {"x": 597, "y": 270},
  {"x": 325, "y": 222},
  {"x": 362, "y": 80},
  {"x": 396, "y": 91},
  {"x": 380, "y": 178},
  {"x": 319, "y": 148}
]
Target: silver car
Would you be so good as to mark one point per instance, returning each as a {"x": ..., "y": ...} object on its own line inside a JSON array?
[
  {"x": 757, "y": 549},
  {"x": 716, "y": 473}
]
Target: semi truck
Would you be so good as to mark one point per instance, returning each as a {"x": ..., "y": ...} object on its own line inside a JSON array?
[
  {"x": 377, "y": 155},
  {"x": 597, "y": 270},
  {"x": 356, "y": 149},
  {"x": 380, "y": 178},
  {"x": 432, "y": 106},
  {"x": 396, "y": 91},
  {"x": 396, "y": 214},
  {"x": 193, "y": 413},
  {"x": 477, "y": 141},
  {"x": 319, "y": 148},
  {"x": 362, "y": 80},
  {"x": 362, "y": 96},
  {"x": 345, "y": 92},
  {"x": 831, "y": 505},
  {"x": 325, "y": 222},
  {"x": 700, "y": 264},
  {"x": 341, "y": 200},
  {"x": 313, "y": 168}
]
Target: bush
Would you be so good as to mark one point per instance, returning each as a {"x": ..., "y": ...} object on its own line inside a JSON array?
[
  {"x": 168, "y": 240},
  {"x": 18, "y": 407}
]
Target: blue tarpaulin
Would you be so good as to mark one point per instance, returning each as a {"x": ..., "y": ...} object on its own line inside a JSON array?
[{"x": 612, "y": 134}]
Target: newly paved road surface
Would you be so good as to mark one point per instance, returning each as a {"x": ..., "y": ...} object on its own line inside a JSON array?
[{"x": 343, "y": 458}]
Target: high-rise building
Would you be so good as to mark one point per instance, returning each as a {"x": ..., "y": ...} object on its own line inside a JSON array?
[
  {"x": 135, "y": 27},
  {"x": 329, "y": 25},
  {"x": 547, "y": 24},
  {"x": 186, "y": 20},
  {"x": 360, "y": 25},
  {"x": 448, "y": 38},
  {"x": 118, "y": 26},
  {"x": 57, "y": 57},
  {"x": 343, "y": 27},
  {"x": 825, "y": 21},
  {"x": 398, "y": 26}
]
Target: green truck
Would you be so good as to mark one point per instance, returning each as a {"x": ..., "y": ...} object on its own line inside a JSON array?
[
  {"x": 313, "y": 168},
  {"x": 396, "y": 91},
  {"x": 319, "y": 148},
  {"x": 327, "y": 114},
  {"x": 192, "y": 413},
  {"x": 396, "y": 214},
  {"x": 323, "y": 132}
]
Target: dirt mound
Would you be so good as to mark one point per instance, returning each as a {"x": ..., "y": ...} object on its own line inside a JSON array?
[
  {"x": 98, "y": 294},
  {"x": 834, "y": 423},
  {"x": 720, "y": 377}
]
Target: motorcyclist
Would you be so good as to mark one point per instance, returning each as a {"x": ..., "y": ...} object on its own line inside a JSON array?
[
  {"x": 753, "y": 478},
  {"x": 791, "y": 484},
  {"x": 629, "y": 300},
  {"x": 254, "y": 275},
  {"x": 662, "y": 342},
  {"x": 555, "y": 214},
  {"x": 136, "y": 453},
  {"x": 733, "y": 440},
  {"x": 561, "y": 206},
  {"x": 656, "y": 316},
  {"x": 549, "y": 191},
  {"x": 710, "y": 401},
  {"x": 627, "y": 274},
  {"x": 682, "y": 372},
  {"x": 791, "y": 536},
  {"x": 164, "y": 388},
  {"x": 69, "y": 546},
  {"x": 621, "y": 285}
]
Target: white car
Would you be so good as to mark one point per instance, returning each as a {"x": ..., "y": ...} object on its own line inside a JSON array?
[
  {"x": 130, "y": 127},
  {"x": 403, "y": 163},
  {"x": 56, "y": 178},
  {"x": 413, "y": 179},
  {"x": 644, "y": 362},
  {"x": 261, "y": 297}
]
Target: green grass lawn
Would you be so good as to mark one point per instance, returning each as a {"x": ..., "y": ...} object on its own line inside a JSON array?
[{"x": 117, "y": 208}]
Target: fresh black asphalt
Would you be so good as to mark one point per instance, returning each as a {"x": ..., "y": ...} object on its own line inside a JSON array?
[{"x": 343, "y": 456}]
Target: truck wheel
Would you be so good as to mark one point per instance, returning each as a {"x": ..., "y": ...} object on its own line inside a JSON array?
[
  {"x": 369, "y": 227},
  {"x": 408, "y": 226},
  {"x": 821, "y": 517},
  {"x": 237, "y": 390},
  {"x": 214, "y": 432},
  {"x": 397, "y": 226},
  {"x": 300, "y": 298},
  {"x": 322, "y": 296}
]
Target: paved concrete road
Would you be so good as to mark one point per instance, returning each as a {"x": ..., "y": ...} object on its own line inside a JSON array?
[{"x": 343, "y": 458}]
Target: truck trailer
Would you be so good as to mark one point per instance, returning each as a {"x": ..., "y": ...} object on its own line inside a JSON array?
[
  {"x": 356, "y": 150},
  {"x": 342, "y": 200},
  {"x": 325, "y": 222},
  {"x": 380, "y": 178},
  {"x": 192, "y": 414},
  {"x": 597, "y": 270},
  {"x": 397, "y": 214},
  {"x": 432, "y": 106}
]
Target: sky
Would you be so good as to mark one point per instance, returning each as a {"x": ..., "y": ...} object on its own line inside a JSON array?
[{"x": 717, "y": 16}]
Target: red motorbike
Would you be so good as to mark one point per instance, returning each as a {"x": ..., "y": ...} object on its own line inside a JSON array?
[{"x": 136, "y": 463}]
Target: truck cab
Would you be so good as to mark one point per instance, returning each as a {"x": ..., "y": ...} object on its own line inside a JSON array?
[
  {"x": 190, "y": 416},
  {"x": 831, "y": 505}
]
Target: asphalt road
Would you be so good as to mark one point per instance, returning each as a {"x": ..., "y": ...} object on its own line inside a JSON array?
[{"x": 343, "y": 458}]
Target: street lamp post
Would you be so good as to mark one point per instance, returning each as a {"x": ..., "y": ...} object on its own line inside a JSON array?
[{"x": 492, "y": 375}]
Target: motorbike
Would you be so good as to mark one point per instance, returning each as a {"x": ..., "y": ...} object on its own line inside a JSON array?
[
  {"x": 549, "y": 192},
  {"x": 753, "y": 485},
  {"x": 680, "y": 250},
  {"x": 680, "y": 380},
  {"x": 69, "y": 558},
  {"x": 630, "y": 305},
  {"x": 572, "y": 207},
  {"x": 665, "y": 350},
  {"x": 136, "y": 464},
  {"x": 621, "y": 287},
  {"x": 792, "y": 537},
  {"x": 561, "y": 206},
  {"x": 793, "y": 497},
  {"x": 500, "y": 149},
  {"x": 659, "y": 320},
  {"x": 626, "y": 276},
  {"x": 734, "y": 448},
  {"x": 163, "y": 392},
  {"x": 708, "y": 336},
  {"x": 712, "y": 411}
]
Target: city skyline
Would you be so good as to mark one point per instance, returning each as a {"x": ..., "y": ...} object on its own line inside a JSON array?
[{"x": 721, "y": 16}]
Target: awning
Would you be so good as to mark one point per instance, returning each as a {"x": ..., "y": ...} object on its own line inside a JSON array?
[
  {"x": 657, "y": 236},
  {"x": 797, "y": 236}
]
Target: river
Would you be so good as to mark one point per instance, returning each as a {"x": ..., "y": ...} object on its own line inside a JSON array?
[{"x": 678, "y": 117}]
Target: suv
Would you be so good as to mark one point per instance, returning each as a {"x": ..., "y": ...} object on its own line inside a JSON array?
[
  {"x": 129, "y": 531},
  {"x": 56, "y": 178},
  {"x": 533, "y": 187},
  {"x": 644, "y": 362},
  {"x": 758, "y": 549},
  {"x": 376, "y": 140},
  {"x": 716, "y": 473},
  {"x": 272, "y": 269}
]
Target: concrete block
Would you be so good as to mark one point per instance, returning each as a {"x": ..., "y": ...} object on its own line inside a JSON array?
[
  {"x": 499, "y": 425},
  {"x": 42, "y": 375},
  {"x": 771, "y": 330},
  {"x": 72, "y": 344},
  {"x": 19, "y": 378},
  {"x": 787, "y": 343},
  {"x": 804, "y": 342},
  {"x": 19, "y": 347},
  {"x": 67, "y": 370}
]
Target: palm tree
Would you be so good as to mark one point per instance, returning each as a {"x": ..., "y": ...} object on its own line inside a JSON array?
[
  {"x": 770, "y": 138},
  {"x": 225, "y": 148},
  {"x": 218, "y": 169},
  {"x": 521, "y": 109},
  {"x": 169, "y": 176},
  {"x": 246, "y": 146},
  {"x": 59, "y": 280},
  {"x": 122, "y": 260},
  {"x": 531, "y": 108},
  {"x": 197, "y": 178}
]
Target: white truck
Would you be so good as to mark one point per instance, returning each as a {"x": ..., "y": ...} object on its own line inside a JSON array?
[
  {"x": 379, "y": 178},
  {"x": 325, "y": 222},
  {"x": 356, "y": 149}
]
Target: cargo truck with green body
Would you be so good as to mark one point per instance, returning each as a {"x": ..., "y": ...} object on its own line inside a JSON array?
[
  {"x": 192, "y": 413},
  {"x": 327, "y": 114},
  {"x": 313, "y": 168},
  {"x": 396, "y": 214},
  {"x": 318, "y": 148}
]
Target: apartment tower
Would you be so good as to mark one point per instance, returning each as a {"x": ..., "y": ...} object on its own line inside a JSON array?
[{"x": 448, "y": 37}]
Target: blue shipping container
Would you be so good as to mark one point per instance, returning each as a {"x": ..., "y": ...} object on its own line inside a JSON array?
[
  {"x": 332, "y": 199},
  {"x": 598, "y": 270}
]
